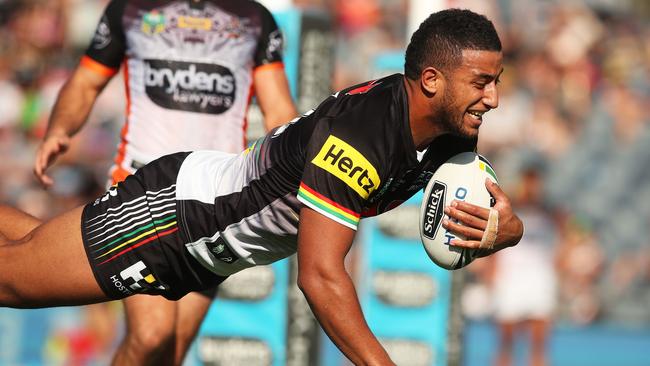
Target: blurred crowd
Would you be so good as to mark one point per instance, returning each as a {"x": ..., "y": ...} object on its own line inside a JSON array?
[
  {"x": 573, "y": 108},
  {"x": 573, "y": 103},
  {"x": 40, "y": 44}
]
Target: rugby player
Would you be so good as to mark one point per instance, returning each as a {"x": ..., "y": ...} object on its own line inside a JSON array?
[{"x": 188, "y": 220}]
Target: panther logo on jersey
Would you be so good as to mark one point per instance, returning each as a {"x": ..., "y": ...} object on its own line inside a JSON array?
[{"x": 364, "y": 88}]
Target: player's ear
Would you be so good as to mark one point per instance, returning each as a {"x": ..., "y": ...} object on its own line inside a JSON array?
[{"x": 431, "y": 79}]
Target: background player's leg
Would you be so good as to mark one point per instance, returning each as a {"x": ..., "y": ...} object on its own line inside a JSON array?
[
  {"x": 149, "y": 338},
  {"x": 191, "y": 311},
  {"x": 160, "y": 331},
  {"x": 506, "y": 339},
  {"x": 539, "y": 329},
  {"x": 48, "y": 267},
  {"x": 15, "y": 224}
]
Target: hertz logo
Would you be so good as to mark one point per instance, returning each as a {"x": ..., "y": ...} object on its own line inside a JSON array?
[{"x": 347, "y": 164}]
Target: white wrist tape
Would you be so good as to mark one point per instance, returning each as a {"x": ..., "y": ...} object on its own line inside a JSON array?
[{"x": 491, "y": 230}]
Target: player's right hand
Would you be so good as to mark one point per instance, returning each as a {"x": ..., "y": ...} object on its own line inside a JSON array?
[{"x": 47, "y": 153}]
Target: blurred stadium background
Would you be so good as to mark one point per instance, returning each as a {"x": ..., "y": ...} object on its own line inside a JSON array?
[{"x": 574, "y": 106}]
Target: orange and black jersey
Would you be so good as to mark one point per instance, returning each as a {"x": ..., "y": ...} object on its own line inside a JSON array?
[{"x": 188, "y": 69}]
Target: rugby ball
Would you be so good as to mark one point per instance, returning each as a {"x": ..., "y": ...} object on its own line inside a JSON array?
[{"x": 462, "y": 178}]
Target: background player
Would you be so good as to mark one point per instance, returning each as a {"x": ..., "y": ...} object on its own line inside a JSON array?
[
  {"x": 188, "y": 68},
  {"x": 524, "y": 280}
]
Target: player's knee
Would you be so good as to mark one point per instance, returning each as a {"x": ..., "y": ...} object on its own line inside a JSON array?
[{"x": 151, "y": 337}]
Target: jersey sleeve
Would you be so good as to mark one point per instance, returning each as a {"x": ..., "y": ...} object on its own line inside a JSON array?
[
  {"x": 107, "y": 47},
  {"x": 271, "y": 44},
  {"x": 341, "y": 172}
]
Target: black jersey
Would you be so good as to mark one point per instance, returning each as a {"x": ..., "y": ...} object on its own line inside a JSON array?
[{"x": 351, "y": 157}]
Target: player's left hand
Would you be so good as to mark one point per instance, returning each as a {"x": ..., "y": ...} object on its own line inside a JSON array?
[{"x": 472, "y": 221}]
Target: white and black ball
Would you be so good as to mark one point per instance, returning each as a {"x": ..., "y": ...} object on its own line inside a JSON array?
[{"x": 462, "y": 178}]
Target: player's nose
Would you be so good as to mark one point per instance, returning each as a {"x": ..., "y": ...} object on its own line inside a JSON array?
[{"x": 491, "y": 95}]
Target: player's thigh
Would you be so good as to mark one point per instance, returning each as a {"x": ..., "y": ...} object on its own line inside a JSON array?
[
  {"x": 150, "y": 316},
  {"x": 49, "y": 266}
]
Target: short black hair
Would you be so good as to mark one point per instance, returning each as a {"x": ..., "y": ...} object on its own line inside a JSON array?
[{"x": 441, "y": 38}]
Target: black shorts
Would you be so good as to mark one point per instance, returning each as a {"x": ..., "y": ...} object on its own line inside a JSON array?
[{"x": 132, "y": 237}]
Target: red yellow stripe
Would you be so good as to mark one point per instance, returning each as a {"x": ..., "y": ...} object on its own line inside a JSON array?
[
  {"x": 328, "y": 207},
  {"x": 138, "y": 238},
  {"x": 161, "y": 234}
]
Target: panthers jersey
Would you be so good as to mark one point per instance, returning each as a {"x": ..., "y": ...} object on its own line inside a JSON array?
[
  {"x": 188, "y": 71},
  {"x": 352, "y": 157}
]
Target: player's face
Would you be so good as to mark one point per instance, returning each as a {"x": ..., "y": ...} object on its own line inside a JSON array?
[{"x": 471, "y": 92}]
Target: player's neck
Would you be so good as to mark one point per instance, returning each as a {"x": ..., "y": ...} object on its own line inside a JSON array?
[{"x": 423, "y": 129}]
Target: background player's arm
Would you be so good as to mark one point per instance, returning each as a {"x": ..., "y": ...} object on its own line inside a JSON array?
[
  {"x": 322, "y": 247},
  {"x": 70, "y": 112},
  {"x": 273, "y": 95}
]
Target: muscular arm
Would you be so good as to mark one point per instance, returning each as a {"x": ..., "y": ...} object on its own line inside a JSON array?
[
  {"x": 273, "y": 95},
  {"x": 322, "y": 246},
  {"x": 72, "y": 107}
]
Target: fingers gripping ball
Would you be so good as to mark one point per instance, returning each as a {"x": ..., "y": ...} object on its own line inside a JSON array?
[{"x": 462, "y": 178}]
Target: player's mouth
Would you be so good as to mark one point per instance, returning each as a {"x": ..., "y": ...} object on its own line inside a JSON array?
[{"x": 476, "y": 117}]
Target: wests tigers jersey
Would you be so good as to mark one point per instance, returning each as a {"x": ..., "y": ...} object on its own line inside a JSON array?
[
  {"x": 351, "y": 157},
  {"x": 188, "y": 71}
]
